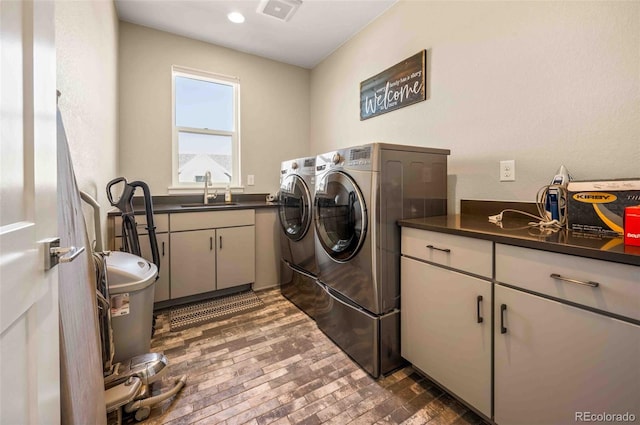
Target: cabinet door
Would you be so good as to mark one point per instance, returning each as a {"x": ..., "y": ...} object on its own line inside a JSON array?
[
  {"x": 446, "y": 329},
  {"x": 236, "y": 256},
  {"x": 193, "y": 262},
  {"x": 554, "y": 361},
  {"x": 162, "y": 284},
  {"x": 161, "y": 289}
]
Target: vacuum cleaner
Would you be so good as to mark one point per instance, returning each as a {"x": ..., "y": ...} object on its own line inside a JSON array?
[
  {"x": 127, "y": 382},
  {"x": 124, "y": 203}
]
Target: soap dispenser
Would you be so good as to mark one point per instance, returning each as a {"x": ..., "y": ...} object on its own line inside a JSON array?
[{"x": 227, "y": 194}]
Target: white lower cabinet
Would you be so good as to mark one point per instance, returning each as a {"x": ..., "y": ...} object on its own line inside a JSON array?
[
  {"x": 561, "y": 330},
  {"x": 446, "y": 329},
  {"x": 208, "y": 260},
  {"x": 193, "y": 262},
  {"x": 162, "y": 291},
  {"x": 199, "y": 252},
  {"x": 211, "y": 251},
  {"x": 235, "y": 256},
  {"x": 555, "y": 363}
]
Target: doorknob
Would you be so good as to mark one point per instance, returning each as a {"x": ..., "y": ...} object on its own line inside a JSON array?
[{"x": 54, "y": 254}]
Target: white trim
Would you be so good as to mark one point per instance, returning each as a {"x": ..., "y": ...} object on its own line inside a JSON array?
[{"x": 205, "y": 75}]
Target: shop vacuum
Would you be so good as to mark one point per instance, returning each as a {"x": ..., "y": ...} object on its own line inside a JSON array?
[{"x": 125, "y": 292}]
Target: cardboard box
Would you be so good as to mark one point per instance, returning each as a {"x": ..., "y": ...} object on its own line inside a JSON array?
[
  {"x": 632, "y": 226},
  {"x": 598, "y": 206}
]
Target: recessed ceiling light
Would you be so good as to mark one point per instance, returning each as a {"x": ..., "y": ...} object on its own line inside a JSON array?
[{"x": 236, "y": 17}]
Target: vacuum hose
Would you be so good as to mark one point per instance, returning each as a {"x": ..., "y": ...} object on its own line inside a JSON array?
[{"x": 148, "y": 402}]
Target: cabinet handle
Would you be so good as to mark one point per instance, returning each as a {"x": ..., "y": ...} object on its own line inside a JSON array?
[
  {"x": 210, "y": 243},
  {"x": 579, "y": 282},
  {"x": 503, "y": 308},
  {"x": 163, "y": 249},
  {"x": 220, "y": 242},
  {"x": 447, "y": 250},
  {"x": 478, "y": 301}
]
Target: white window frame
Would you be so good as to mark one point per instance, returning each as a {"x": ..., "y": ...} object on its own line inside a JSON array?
[{"x": 236, "y": 182}]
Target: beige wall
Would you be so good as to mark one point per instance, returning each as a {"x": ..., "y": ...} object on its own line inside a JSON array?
[
  {"x": 544, "y": 83},
  {"x": 274, "y": 106},
  {"x": 86, "y": 49},
  {"x": 267, "y": 249}
]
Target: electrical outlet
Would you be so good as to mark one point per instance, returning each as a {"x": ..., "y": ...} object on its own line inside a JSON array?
[
  {"x": 250, "y": 180},
  {"x": 508, "y": 170}
]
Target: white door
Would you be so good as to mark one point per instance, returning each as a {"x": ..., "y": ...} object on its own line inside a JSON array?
[{"x": 29, "y": 354}]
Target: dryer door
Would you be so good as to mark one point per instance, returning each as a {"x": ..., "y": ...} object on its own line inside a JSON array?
[
  {"x": 341, "y": 215},
  {"x": 295, "y": 207}
]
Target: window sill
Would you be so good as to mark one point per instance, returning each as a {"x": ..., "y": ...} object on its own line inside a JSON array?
[{"x": 186, "y": 190}]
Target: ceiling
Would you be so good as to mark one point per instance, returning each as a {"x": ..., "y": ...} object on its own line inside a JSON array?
[{"x": 313, "y": 32}]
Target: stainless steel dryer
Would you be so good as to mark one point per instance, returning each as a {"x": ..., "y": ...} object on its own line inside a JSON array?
[
  {"x": 298, "y": 264},
  {"x": 361, "y": 193}
]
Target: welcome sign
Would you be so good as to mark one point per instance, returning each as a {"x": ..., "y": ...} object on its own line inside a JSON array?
[{"x": 401, "y": 85}]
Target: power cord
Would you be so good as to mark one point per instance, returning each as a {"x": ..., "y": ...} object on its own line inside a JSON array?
[{"x": 543, "y": 218}]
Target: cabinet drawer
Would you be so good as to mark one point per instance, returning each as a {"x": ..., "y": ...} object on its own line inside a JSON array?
[
  {"x": 459, "y": 252},
  {"x": 211, "y": 219},
  {"x": 160, "y": 220},
  {"x": 618, "y": 289}
]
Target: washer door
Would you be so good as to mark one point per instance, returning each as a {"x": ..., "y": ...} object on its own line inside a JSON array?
[
  {"x": 340, "y": 216},
  {"x": 295, "y": 207}
]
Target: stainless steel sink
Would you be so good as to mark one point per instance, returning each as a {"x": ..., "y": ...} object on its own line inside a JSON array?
[{"x": 211, "y": 205}]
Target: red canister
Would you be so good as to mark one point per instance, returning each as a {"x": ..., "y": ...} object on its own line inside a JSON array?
[{"x": 632, "y": 225}]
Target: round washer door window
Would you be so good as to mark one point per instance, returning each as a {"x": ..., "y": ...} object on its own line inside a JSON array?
[
  {"x": 340, "y": 216},
  {"x": 295, "y": 207}
]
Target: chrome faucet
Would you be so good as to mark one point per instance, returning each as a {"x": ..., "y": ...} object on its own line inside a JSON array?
[{"x": 207, "y": 183}]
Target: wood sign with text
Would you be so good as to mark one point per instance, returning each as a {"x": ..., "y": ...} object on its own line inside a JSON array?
[{"x": 401, "y": 85}]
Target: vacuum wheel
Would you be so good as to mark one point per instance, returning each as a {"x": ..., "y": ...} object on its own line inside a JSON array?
[{"x": 142, "y": 413}]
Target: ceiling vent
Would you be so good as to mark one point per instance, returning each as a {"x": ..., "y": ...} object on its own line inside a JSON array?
[{"x": 282, "y": 10}]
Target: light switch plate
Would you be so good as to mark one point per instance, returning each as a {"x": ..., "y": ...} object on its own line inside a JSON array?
[{"x": 250, "y": 180}]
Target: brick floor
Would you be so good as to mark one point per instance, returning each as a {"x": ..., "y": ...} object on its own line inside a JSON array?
[{"x": 274, "y": 366}]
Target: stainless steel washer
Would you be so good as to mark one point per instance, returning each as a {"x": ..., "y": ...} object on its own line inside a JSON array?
[
  {"x": 298, "y": 264},
  {"x": 361, "y": 193}
]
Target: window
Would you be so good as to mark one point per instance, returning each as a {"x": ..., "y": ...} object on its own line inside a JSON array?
[{"x": 205, "y": 128}]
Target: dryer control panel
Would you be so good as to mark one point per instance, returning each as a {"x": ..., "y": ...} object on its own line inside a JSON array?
[{"x": 358, "y": 156}]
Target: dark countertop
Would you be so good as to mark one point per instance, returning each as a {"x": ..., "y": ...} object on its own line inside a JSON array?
[
  {"x": 516, "y": 232},
  {"x": 193, "y": 203}
]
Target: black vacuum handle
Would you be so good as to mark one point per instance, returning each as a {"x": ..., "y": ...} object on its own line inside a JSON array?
[
  {"x": 125, "y": 197},
  {"x": 151, "y": 227},
  {"x": 125, "y": 205}
]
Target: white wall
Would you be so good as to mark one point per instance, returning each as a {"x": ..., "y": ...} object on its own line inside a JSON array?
[
  {"x": 86, "y": 49},
  {"x": 544, "y": 83},
  {"x": 274, "y": 106}
]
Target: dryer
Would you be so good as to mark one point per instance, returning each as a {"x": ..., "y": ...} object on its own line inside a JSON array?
[
  {"x": 361, "y": 193},
  {"x": 295, "y": 211}
]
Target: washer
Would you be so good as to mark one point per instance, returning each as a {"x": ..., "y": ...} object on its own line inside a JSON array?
[
  {"x": 361, "y": 193},
  {"x": 298, "y": 265}
]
